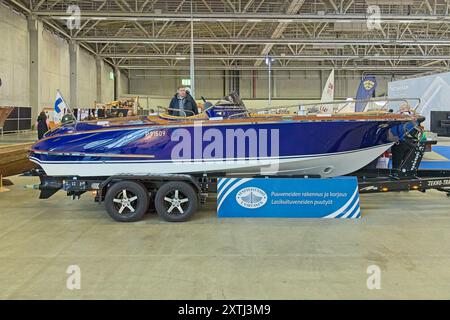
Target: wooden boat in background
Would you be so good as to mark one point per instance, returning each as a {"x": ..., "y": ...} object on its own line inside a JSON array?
[
  {"x": 14, "y": 159},
  {"x": 4, "y": 113}
]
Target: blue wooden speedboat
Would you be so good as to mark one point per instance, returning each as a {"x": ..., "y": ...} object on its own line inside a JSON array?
[{"x": 226, "y": 139}]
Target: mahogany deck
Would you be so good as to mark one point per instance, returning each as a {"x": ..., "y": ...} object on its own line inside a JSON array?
[{"x": 164, "y": 119}]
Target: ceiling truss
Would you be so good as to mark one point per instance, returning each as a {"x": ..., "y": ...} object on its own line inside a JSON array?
[{"x": 238, "y": 34}]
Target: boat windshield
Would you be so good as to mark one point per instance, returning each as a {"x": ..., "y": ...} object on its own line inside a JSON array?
[
  {"x": 375, "y": 105},
  {"x": 232, "y": 107},
  {"x": 228, "y": 107}
]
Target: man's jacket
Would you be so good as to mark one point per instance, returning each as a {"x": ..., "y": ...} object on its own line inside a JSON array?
[{"x": 190, "y": 106}]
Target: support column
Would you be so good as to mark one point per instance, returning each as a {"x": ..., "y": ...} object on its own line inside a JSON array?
[
  {"x": 274, "y": 84},
  {"x": 253, "y": 93},
  {"x": 35, "y": 43},
  {"x": 74, "y": 59},
  {"x": 99, "y": 67},
  {"x": 225, "y": 83},
  {"x": 233, "y": 81},
  {"x": 117, "y": 83}
]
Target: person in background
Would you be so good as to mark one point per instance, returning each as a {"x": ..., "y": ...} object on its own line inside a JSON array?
[
  {"x": 42, "y": 124},
  {"x": 182, "y": 104},
  {"x": 101, "y": 112}
]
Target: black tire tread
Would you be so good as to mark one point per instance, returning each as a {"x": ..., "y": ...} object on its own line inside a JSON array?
[
  {"x": 138, "y": 189},
  {"x": 184, "y": 187}
]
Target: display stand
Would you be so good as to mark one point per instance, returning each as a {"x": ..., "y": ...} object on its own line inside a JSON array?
[{"x": 288, "y": 198}]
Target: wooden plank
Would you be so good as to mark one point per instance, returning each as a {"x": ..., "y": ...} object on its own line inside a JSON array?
[{"x": 14, "y": 159}]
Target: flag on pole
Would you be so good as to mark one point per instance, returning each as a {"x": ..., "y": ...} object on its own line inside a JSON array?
[
  {"x": 60, "y": 107},
  {"x": 60, "y": 104},
  {"x": 365, "y": 91},
  {"x": 328, "y": 90}
]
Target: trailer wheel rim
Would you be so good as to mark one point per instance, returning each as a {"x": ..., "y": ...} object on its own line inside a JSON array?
[
  {"x": 176, "y": 202},
  {"x": 125, "y": 202}
]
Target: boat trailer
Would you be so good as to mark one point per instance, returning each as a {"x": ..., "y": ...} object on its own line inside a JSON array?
[
  {"x": 406, "y": 174},
  {"x": 175, "y": 197}
]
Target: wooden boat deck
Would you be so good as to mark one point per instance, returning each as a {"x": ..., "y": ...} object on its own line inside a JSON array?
[
  {"x": 14, "y": 159},
  {"x": 165, "y": 119}
]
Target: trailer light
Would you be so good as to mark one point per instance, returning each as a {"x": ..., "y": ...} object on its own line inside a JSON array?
[
  {"x": 415, "y": 187},
  {"x": 384, "y": 189}
]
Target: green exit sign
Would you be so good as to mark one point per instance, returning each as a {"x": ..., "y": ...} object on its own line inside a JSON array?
[
  {"x": 111, "y": 75},
  {"x": 186, "y": 82}
]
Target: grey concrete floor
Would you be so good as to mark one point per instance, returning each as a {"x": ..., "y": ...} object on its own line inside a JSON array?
[
  {"x": 405, "y": 234},
  {"x": 22, "y": 137}
]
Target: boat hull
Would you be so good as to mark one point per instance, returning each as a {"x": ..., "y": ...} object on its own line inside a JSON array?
[
  {"x": 327, "y": 165},
  {"x": 325, "y": 148}
]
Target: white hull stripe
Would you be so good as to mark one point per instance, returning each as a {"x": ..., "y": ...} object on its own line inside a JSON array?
[
  {"x": 212, "y": 160},
  {"x": 330, "y": 165}
]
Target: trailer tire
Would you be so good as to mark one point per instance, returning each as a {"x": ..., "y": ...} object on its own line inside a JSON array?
[
  {"x": 176, "y": 201},
  {"x": 127, "y": 201}
]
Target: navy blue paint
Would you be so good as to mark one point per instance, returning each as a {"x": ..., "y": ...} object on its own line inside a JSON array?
[{"x": 296, "y": 139}]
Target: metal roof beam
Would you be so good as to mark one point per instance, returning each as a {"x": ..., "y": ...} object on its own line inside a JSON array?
[
  {"x": 413, "y": 69},
  {"x": 317, "y": 57},
  {"x": 244, "y": 17},
  {"x": 293, "y": 8},
  {"x": 283, "y": 41}
]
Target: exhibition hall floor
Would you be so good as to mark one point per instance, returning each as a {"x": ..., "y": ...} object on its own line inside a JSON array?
[
  {"x": 404, "y": 234},
  {"x": 22, "y": 137}
]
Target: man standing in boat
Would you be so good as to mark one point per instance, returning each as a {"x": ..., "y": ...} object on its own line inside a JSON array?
[{"x": 182, "y": 104}]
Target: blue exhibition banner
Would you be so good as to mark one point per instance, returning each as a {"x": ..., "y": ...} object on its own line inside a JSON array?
[
  {"x": 365, "y": 91},
  {"x": 288, "y": 198}
]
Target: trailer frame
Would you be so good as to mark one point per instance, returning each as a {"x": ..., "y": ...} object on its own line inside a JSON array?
[{"x": 406, "y": 176}]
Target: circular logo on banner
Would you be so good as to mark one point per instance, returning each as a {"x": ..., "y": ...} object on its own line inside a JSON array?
[
  {"x": 251, "y": 198},
  {"x": 369, "y": 84}
]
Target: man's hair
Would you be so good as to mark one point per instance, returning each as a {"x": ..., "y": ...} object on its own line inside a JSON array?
[{"x": 179, "y": 87}]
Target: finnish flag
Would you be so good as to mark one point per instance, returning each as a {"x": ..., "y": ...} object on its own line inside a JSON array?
[{"x": 60, "y": 104}]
